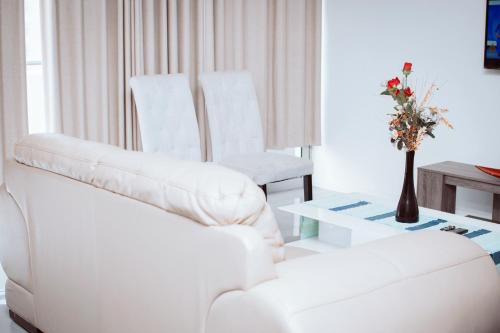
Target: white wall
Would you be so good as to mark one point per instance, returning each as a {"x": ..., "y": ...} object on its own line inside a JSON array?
[{"x": 366, "y": 42}]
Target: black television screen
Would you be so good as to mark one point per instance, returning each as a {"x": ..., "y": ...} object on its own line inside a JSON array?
[{"x": 492, "y": 40}]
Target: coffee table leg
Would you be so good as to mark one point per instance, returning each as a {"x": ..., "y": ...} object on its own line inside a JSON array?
[{"x": 496, "y": 208}]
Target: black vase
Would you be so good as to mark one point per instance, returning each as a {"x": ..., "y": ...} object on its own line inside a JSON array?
[{"x": 407, "y": 211}]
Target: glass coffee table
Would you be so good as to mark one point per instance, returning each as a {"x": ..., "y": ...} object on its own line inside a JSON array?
[{"x": 340, "y": 220}]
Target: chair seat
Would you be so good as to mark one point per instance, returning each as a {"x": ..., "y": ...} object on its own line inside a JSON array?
[{"x": 265, "y": 168}]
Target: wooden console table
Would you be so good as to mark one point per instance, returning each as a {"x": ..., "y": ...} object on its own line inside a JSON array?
[{"x": 437, "y": 185}]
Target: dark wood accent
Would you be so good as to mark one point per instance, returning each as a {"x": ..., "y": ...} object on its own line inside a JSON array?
[
  {"x": 496, "y": 208},
  {"x": 308, "y": 195},
  {"x": 449, "y": 199},
  {"x": 475, "y": 185},
  {"x": 437, "y": 185},
  {"x": 308, "y": 188},
  {"x": 28, "y": 327},
  {"x": 432, "y": 192},
  {"x": 264, "y": 189},
  {"x": 463, "y": 171},
  {"x": 479, "y": 218}
]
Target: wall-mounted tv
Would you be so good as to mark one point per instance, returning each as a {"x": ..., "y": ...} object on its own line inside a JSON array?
[{"x": 492, "y": 40}]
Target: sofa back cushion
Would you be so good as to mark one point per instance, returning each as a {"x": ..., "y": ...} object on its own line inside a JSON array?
[{"x": 203, "y": 192}]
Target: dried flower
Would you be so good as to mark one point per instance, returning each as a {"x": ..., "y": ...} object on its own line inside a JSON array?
[{"x": 411, "y": 123}]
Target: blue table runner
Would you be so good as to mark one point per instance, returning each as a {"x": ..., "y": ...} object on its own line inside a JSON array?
[{"x": 354, "y": 205}]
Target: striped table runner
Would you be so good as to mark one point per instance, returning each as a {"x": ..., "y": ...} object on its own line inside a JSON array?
[{"x": 354, "y": 205}]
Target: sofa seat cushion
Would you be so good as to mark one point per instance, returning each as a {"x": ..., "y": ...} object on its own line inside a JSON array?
[
  {"x": 318, "y": 280},
  {"x": 396, "y": 284},
  {"x": 203, "y": 192},
  {"x": 265, "y": 167}
]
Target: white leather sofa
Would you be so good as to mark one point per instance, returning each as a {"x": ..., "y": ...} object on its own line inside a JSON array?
[{"x": 97, "y": 239}]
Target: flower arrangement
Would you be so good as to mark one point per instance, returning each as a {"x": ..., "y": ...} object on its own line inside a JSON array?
[{"x": 412, "y": 121}]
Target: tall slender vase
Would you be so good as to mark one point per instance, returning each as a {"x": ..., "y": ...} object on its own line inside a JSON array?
[{"x": 407, "y": 211}]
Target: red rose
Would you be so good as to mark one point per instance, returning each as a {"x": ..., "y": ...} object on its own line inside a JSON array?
[
  {"x": 407, "y": 68},
  {"x": 396, "y": 92},
  {"x": 391, "y": 84},
  {"x": 408, "y": 92}
]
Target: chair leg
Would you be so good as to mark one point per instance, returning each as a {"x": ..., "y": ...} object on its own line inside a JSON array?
[
  {"x": 308, "y": 188},
  {"x": 264, "y": 189}
]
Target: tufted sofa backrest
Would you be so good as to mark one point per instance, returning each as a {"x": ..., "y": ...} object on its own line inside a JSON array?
[{"x": 203, "y": 192}]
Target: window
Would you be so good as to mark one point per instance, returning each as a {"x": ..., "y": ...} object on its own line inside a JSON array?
[{"x": 34, "y": 67}]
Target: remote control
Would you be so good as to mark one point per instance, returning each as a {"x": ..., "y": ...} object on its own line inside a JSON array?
[{"x": 452, "y": 228}]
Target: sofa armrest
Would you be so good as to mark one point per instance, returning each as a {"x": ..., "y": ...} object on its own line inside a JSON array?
[
  {"x": 133, "y": 267},
  {"x": 241, "y": 247},
  {"x": 406, "y": 283},
  {"x": 14, "y": 242},
  {"x": 174, "y": 268}
]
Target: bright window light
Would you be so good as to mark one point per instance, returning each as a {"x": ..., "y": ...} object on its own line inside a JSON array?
[{"x": 34, "y": 67}]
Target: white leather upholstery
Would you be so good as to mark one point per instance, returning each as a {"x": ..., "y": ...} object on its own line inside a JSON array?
[
  {"x": 14, "y": 244},
  {"x": 104, "y": 261},
  {"x": 265, "y": 167},
  {"x": 293, "y": 252},
  {"x": 15, "y": 257},
  {"x": 236, "y": 130},
  {"x": 233, "y": 114},
  {"x": 20, "y": 300},
  {"x": 167, "y": 117},
  {"x": 409, "y": 283},
  {"x": 204, "y": 192}
]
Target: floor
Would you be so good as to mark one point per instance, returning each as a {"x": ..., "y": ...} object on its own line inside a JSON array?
[
  {"x": 287, "y": 223},
  {"x": 7, "y": 325}
]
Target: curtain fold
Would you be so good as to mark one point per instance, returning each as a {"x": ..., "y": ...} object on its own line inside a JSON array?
[
  {"x": 93, "y": 47},
  {"x": 13, "y": 103},
  {"x": 279, "y": 42},
  {"x": 78, "y": 61}
]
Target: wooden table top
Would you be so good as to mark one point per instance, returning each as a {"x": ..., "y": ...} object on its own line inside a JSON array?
[{"x": 461, "y": 170}]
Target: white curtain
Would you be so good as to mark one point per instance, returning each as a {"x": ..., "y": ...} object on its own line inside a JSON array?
[
  {"x": 93, "y": 47},
  {"x": 279, "y": 41},
  {"x": 164, "y": 37},
  {"x": 81, "y": 69},
  {"x": 13, "y": 109}
]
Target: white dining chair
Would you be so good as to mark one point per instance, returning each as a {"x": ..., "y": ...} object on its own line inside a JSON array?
[
  {"x": 167, "y": 118},
  {"x": 236, "y": 133}
]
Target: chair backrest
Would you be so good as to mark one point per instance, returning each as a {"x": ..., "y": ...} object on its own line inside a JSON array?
[
  {"x": 233, "y": 114},
  {"x": 167, "y": 118}
]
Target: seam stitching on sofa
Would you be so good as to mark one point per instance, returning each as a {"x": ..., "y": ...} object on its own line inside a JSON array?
[
  {"x": 387, "y": 285},
  {"x": 378, "y": 255},
  {"x": 26, "y": 225},
  {"x": 20, "y": 285},
  {"x": 32, "y": 147},
  {"x": 100, "y": 163},
  {"x": 97, "y": 163}
]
